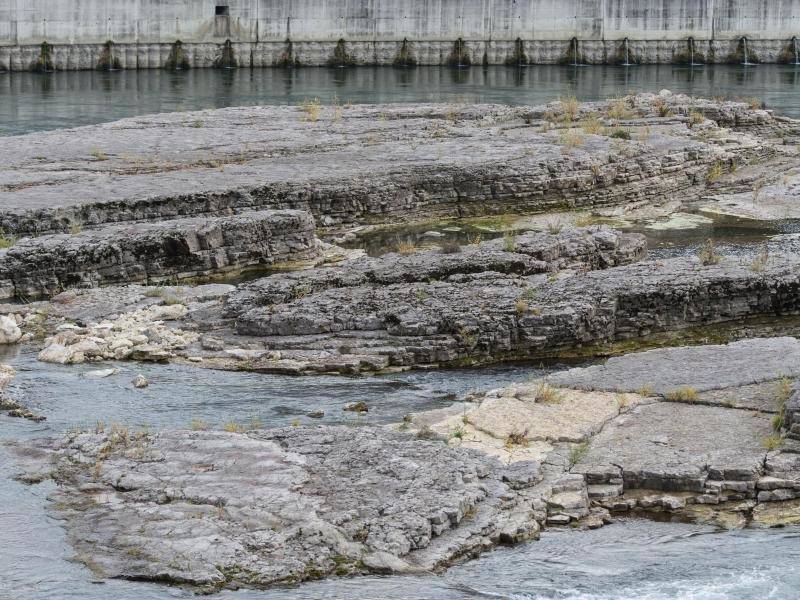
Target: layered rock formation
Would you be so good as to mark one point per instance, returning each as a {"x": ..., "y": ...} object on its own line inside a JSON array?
[
  {"x": 372, "y": 164},
  {"x": 155, "y": 252}
]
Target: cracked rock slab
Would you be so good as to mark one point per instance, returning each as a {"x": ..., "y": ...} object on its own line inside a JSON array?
[
  {"x": 213, "y": 509},
  {"x": 702, "y": 368},
  {"x": 669, "y": 446}
]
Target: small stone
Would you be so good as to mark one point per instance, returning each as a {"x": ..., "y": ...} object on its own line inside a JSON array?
[
  {"x": 100, "y": 373},
  {"x": 316, "y": 414},
  {"x": 195, "y": 359},
  {"x": 359, "y": 407},
  {"x": 140, "y": 382}
]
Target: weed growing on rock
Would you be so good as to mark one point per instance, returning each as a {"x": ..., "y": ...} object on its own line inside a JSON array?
[
  {"x": 592, "y": 125},
  {"x": 662, "y": 108},
  {"x": 577, "y": 452},
  {"x": 708, "y": 254},
  {"x": 255, "y": 423},
  {"x": 772, "y": 442},
  {"x": 517, "y": 439},
  {"x": 595, "y": 170},
  {"x": 781, "y": 396},
  {"x": 683, "y": 394},
  {"x": 98, "y": 155},
  {"x": 583, "y": 220},
  {"x": 623, "y": 400},
  {"x": 758, "y": 185},
  {"x": 619, "y": 110},
  {"x": 510, "y": 242},
  {"x": 571, "y": 138},
  {"x": 198, "y": 124},
  {"x": 695, "y": 118},
  {"x": 458, "y": 433},
  {"x": 198, "y": 425},
  {"x": 467, "y": 337},
  {"x": 6, "y": 241},
  {"x": 548, "y": 394},
  {"x": 715, "y": 172},
  {"x": 570, "y": 107},
  {"x": 521, "y": 306},
  {"x": 232, "y": 427},
  {"x": 422, "y": 295},
  {"x": 155, "y": 292},
  {"x": 554, "y": 227},
  {"x": 645, "y": 391},
  {"x": 312, "y": 108},
  {"x": 620, "y": 134}
]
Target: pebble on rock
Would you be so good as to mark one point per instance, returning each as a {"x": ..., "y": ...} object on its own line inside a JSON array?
[{"x": 140, "y": 382}]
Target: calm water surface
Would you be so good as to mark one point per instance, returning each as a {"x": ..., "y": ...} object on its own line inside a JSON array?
[{"x": 40, "y": 101}]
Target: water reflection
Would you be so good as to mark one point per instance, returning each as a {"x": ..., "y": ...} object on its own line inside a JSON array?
[{"x": 37, "y": 101}]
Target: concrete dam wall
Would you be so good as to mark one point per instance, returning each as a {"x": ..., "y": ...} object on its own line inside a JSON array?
[{"x": 133, "y": 34}]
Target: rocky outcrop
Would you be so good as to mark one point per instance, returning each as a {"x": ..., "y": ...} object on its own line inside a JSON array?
[
  {"x": 490, "y": 316},
  {"x": 377, "y": 164},
  {"x": 595, "y": 247},
  {"x": 307, "y": 503},
  {"x": 10, "y": 332},
  {"x": 155, "y": 252}
]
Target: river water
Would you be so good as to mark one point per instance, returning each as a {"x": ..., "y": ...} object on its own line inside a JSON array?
[
  {"x": 633, "y": 559},
  {"x": 40, "y": 101}
]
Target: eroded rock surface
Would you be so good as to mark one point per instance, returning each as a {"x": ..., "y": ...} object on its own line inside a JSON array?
[
  {"x": 376, "y": 163},
  {"x": 216, "y": 509}
]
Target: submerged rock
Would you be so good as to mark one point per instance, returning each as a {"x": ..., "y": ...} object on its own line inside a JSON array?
[{"x": 140, "y": 382}]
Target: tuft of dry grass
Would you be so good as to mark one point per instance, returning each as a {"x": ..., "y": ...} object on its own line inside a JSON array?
[
  {"x": 592, "y": 125},
  {"x": 570, "y": 108},
  {"x": 683, "y": 394},
  {"x": 198, "y": 425},
  {"x": 312, "y": 108},
  {"x": 555, "y": 227},
  {"x": 548, "y": 394},
  {"x": 99, "y": 155},
  {"x": 406, "y": 247},
  {"x": 571, "y": 138},
  {"x": 619, "y": 110},
  {"x": 695, "y": 118},
  {"x": 6, "y": 241},
  {"x": 662, "y": 108},
  {"x": 772, "y": 442},
  {"x": 521, "y": 306},
  {"x": 449, "y": 247},
  {"x": 761, "y": 260},
  {"x": 708, "y": 254},
  {"x": 510, "y": 242},
  {"x": 517, "y": 438},
  {"x": 232, "y": 427},
  {"x": 715, "y": 172}
]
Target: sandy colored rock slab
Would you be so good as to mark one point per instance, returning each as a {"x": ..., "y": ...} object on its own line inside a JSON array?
[
  {"x": 700, "y": 367},
  {"x": 670, "y": 446}
]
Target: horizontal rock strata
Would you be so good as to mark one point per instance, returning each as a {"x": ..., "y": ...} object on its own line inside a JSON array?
[
  {"x": 154, "y": 252},
  {"x": 490, "y": 316},
  {"x": 217, "y": 509},
  {"x": 368, "y": 164}
]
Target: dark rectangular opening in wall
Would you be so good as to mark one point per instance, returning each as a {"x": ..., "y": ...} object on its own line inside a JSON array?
[{"x": 222, "y": 10}]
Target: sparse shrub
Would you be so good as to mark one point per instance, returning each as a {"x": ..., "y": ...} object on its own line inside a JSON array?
[
  {"x": 449, "y": 247},
  {"x": 577, "y": 452},
  {"x": 510, "y": 242},
  {"x": 570, "y": 107},
  {"x": 683, "y": 394},
  {"x": 708, "y": 254},
  {"x": 620, "y": 134}
]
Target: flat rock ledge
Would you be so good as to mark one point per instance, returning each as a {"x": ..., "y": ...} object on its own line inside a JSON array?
[
  {"x": 217, "y": 509},
  {"x": 376, "y": 164},
  {"x": 155, "y": 252}
]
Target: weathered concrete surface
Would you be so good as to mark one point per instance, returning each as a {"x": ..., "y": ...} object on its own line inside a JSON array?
[
  {"x": 375, "y": 164},
  {"x": 155, "y": 252},
  {"x": 216, "y": 509},
  {"x": 92, "y": 35},
  {"x": 701, "y": 368}
]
